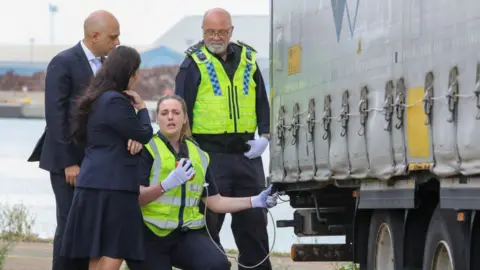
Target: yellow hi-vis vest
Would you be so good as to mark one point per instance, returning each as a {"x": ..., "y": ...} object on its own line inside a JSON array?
[
  {"x": 224, "y": 106},
  {"x": 178, "y": 207}
]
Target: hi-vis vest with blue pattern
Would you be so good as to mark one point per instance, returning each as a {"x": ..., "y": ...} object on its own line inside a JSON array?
[
  {"x": 224, "y": 106},
  {"x": 162, "y": 216}
]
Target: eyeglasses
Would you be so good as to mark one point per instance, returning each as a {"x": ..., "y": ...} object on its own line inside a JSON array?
[{"x": 212, "y": 33}]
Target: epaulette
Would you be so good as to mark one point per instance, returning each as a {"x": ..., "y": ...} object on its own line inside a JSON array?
[
  {"x": 194, "y": 48},
  {"x": 246, "y": 45},
  {"x": 190, "y": 138}
]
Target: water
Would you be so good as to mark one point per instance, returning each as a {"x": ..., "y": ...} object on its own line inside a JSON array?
[{"x": 23, "y": 182}]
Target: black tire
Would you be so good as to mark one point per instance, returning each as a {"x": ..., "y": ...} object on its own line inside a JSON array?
[
  {"x": 444, "y": 228},
  {"x": 475, "y": 242},
  {"x": 394, "y": 219}
]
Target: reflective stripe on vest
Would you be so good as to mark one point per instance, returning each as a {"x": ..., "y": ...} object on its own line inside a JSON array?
[
  {"x": 224, "y": 106},
  {"x": 162, "y": 215},
  {"x": 172, "y": 225}
]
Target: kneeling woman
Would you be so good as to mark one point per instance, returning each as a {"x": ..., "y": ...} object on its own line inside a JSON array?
[{"x": 170, "y": 195}]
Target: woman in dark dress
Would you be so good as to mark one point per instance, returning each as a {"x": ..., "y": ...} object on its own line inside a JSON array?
[{"x": 105, "y": 220}]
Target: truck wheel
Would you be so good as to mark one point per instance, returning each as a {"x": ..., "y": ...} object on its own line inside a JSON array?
[
  {"x": 445, "y": 247},
  {"x": 385, "y": 241},
  {"x": 475, "y": 242}
]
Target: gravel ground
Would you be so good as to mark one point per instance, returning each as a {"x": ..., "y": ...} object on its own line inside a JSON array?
[{"x": 29, "y": 256}]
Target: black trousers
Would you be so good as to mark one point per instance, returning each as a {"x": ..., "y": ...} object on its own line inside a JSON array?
[
  {"x": 190, "y": 250},
  {"x": 238, "y": 176},
  {"x": 63, "y": 198}
]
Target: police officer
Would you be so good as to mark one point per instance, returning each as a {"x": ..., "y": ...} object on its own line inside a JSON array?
[{"x": 227, "y": 101}]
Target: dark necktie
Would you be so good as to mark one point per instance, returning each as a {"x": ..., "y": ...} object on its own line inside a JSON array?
[{"x": 102, "y": 59}]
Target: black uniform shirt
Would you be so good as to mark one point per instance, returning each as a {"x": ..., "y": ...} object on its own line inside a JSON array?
[{"x": 186, "y": 85}]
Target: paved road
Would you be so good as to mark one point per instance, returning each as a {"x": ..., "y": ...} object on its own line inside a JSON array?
[{"x": 29, "y": 256}]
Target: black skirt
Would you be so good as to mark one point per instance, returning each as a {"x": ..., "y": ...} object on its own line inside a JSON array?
[{"x": 104, "y": 223}]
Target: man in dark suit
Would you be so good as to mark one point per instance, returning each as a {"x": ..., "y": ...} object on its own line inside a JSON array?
[{"x": 68, "y": 74}]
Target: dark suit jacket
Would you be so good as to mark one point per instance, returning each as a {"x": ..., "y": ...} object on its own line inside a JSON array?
[
  {"x": 68, "y": 74},
  {"x": 107, "y": 163}
]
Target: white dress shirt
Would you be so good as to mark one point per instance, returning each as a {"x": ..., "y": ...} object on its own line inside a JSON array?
[{"x": 94, "y": 61}]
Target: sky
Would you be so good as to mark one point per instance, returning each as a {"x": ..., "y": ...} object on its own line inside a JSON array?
[{"x": 141, "y": 21}]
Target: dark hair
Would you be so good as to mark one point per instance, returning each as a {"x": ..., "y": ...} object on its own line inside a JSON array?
[{"x": 115, "y": 73}]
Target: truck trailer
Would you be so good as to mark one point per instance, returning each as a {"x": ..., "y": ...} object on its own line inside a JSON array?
[{"x": 375, "y": 113}]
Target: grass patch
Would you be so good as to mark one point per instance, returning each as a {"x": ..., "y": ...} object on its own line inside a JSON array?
[{"x": 16, "y": 224}]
